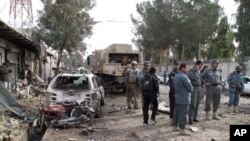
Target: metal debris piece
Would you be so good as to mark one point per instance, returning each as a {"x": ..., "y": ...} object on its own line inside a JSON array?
[
  {"x": 72, "y": 139},
  {"x": 163, "y": 108},
  {"x": 85, "y": 132},
  {"x": 91, "y": 129},
  {"x": 193, "y": 129}
]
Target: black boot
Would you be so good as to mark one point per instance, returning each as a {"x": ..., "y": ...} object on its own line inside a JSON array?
[
  {"x": 195, "y": 120},
  {"x": 190, "y": 121}
]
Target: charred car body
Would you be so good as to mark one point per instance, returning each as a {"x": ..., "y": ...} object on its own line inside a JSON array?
[
  {"x": 71, "y": 87},
  {"x": 74, "y": 99}
]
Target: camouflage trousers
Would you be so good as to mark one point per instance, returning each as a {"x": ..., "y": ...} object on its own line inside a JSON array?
[{"x": 132, "y": 94}]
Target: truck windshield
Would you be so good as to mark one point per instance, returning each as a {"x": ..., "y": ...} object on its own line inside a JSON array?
[
  {"x": 123, "y": 58},
  {"x": 70, "y": 82}
]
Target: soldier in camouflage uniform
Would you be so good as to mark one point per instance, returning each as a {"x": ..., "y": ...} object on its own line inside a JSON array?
[{"x": 133, "y": 86}]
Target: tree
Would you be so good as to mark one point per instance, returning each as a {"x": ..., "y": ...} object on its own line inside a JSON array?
[
  {"x": 179, "y": 26},
  {"x": 222, "y": 45},
  {"x": 202, "y": 23},
  {"x": 243, "y": 27},
  {"x": 63, "y": 24},
  {"x": 155, "y": 27}
]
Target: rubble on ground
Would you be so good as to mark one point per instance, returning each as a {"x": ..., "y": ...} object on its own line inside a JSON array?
[{"x": 11, "y": 128}]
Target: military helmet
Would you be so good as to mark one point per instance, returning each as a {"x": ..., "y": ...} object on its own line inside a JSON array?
[{"x": 133, "y": 63}]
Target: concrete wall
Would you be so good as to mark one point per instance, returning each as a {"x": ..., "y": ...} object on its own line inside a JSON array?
[{"x": 227, "y": 68}]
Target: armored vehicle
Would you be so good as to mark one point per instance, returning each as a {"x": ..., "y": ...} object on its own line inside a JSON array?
[{"x": 110, "y": 64}]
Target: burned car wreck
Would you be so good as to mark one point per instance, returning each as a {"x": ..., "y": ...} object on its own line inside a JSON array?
[{"x": 74, "y": 99}]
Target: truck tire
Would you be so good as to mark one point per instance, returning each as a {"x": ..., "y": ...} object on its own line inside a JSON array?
[{"x": 124, "y": 90}]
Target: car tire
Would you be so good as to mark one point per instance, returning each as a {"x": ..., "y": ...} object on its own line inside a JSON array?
[
  {"x": 102, "y": 101},
  {"x": 98, "y": 111}
]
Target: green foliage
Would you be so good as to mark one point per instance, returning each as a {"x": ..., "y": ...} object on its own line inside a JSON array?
[
  {"x": 63, "y": 24},
  {"x": 154, "y": 28},
  {"x": 160, "y": 56},
  {"x": 243, "y": 27},
  {"x": 178, "y": 25},
  {"x": 200, "y": 24},
  {"x": 222, "y": 45}
]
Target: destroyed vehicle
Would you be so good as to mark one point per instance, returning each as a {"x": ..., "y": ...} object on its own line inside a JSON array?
[{"x": 72, "y": 87}]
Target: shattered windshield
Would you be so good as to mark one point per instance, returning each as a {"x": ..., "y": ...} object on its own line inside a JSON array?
[{"x": 71, "y": 82}]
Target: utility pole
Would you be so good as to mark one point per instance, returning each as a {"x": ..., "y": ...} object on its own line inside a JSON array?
[
  {"x": 21, "y": 11},
  {"x": 160, "y": 60}
]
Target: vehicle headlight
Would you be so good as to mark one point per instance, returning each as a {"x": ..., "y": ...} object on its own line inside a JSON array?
[{"x": 53, "y": 96}]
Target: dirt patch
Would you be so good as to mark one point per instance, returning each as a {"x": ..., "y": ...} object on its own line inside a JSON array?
[{"x": 117, "y": 125}]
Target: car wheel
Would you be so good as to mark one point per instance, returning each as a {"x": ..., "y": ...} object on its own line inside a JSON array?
[
  {"x": 102, "y": 101},
  {"x": 98, "y": 111}
]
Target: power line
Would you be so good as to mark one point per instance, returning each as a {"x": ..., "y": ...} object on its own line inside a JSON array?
[{"x": 111, "y": 21}]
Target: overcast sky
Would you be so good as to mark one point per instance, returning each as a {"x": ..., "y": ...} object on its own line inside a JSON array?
[{"x": 114, "y": 20}]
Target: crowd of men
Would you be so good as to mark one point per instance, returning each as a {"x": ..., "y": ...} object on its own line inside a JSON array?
[{"x": 188, "y": 86}]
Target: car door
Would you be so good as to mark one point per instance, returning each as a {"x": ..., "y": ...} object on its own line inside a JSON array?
[
  {"x": 101, "y": 89},
  {"x": 98, "y": 88}
]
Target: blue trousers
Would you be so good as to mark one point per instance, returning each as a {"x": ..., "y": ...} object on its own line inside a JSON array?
[
  {"x": 180, "y": 115},
  {"x": 234, "y": 99}
]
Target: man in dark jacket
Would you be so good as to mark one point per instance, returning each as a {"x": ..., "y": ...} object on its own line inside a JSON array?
[
  {"x": 149, "y": 96},
  {"x": 4, "y": 73},
  {"x": 26, "y": 75},
  {"x": 26, "y": 78},
  {"x": 172, "y": 91}
]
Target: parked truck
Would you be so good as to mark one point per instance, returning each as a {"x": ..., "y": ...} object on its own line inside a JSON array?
[{"x": 110, "y": 63}]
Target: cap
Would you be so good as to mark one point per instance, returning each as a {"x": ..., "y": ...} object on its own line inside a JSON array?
[
  {"x": 146, "y": 63},
  {"x": 134, "y": 63},
  {"x": 176, "y": 62},
  {"x": 238, "y": 67},
  {"x": 215, "y": 61}
]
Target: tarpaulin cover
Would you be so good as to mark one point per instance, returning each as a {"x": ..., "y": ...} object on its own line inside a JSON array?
[{"x": 8, "y": 101}]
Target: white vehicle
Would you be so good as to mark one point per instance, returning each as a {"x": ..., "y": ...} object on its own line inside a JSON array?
[
  {"x": 160, "y": 76},
  {"x": 70, "y": 87},
  {"x": 246, "y": 85}
]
